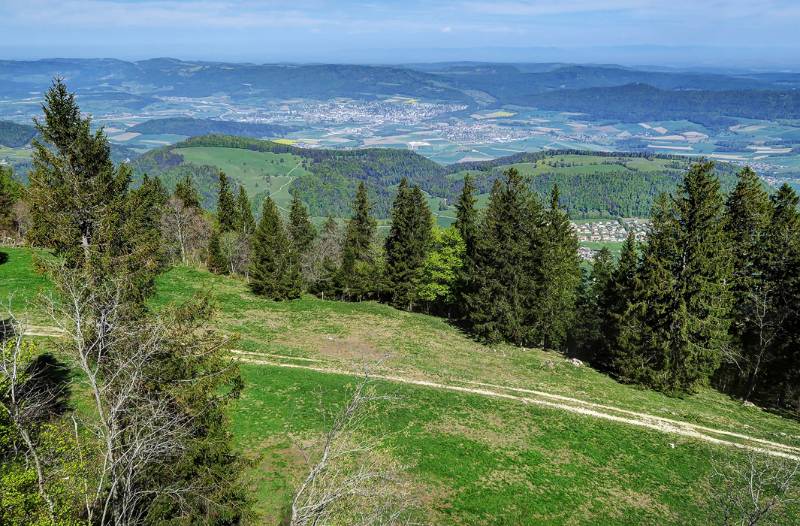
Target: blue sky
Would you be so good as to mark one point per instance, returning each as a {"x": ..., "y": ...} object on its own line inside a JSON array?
[{"x": 665, "y": 31}]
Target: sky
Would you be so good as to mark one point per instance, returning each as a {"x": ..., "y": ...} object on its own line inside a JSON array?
[{"x": 718, "y": 33}]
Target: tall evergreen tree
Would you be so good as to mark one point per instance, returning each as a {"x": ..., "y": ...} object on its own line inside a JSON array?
[
  {"x": 246, "y": 223},
  {"x": 226, "y": 206},
  {"x": 357, "y": 273},
  {"x": 500, "y": 290},
  {"x": 591, "y": 327},
  {"x": 407, "y": 244},
  {"x": 614, "y": 302},
  {"x": 187, "y": 192},
  {"x": 781, "y": 384},
  {"x": 301, "y": 230},
  {"x": 748, "y": 217},
  {"x": 275, "y": 269},
  {"x": 683, "y": 298},
  {"x": 559, "y": 277},
  {"x": 466, "y": 214},
  {"x": 215, "y": 260}
]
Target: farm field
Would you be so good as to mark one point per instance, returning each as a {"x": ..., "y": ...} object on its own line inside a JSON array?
[{"x": 489, "y": 434}]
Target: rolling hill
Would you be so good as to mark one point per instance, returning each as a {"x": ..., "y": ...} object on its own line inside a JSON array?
[{"x": 592, "y": 184}]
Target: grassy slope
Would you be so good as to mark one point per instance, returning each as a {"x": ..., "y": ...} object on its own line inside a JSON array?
[
  {"x": 251, "y": 169},
  {"x": 473, "y": 460}
]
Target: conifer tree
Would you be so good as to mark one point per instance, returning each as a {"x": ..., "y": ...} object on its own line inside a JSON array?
[
  {"x": 500, "y": 292},
  {"x": 781, "y": 384},
  {"x": 682, "y": 303},
  {"x": 275, "y": 269},
  {"x": 559, "y": 277},
  {"x": 466, "y": 214},
  {"x": 407, "y": 244},
  {"x": 246, "y": 224},
  {"x": 614, "y": 303},
  {"x": 76, "y": 192},
  {"x": 748, "y": 217},
  {"x": 187, "y": 192},
  {"x": 591, "y": 327},
  {"x": 301, "y": 230},
  {"x": 216, "y": 261},
  {"x": 226, "y": 206},
  {"x": 356, "y": 275}
]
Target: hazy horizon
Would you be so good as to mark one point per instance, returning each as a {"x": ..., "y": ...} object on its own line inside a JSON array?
[{"x": 717, "y": 34}]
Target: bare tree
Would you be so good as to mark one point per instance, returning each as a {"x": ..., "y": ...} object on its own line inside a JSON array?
[
  {"x": 235, "y": 249},
  {"x": 184, "y": 229},
  {"x": 350, "y": 480},
  {"x": 757, "y": 490},
  {"x": 134, "y": 430}
]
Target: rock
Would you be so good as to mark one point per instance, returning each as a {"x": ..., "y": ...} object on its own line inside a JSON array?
[
  {"x": 748, "y": 403},
  {"x": 576, "y": 362},
  {"x": 671, "y": 445}
]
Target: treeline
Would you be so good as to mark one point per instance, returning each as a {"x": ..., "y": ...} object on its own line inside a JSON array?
[
  {"x": 642, "y": 102},
  {"x": 193, "y": 127},
  {"x": 336, "y": 175},
  {"x": 712, "y": 296}
]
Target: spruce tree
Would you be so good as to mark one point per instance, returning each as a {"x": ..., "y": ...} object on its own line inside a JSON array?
[
  {"x": 215, "y": 260},
  {"x": 466, "y": 214},
  {"x": 187, "y": 192},
  {"x": 614, "y": 302},
  {"x": 500, "y": 292},
  {"x": 591, "y": 320},
  {"x": 246, "y": 223},
  {"x": 275, "y": 269},
  {"x": 682, "y": 303},
  {"x": 781, "y": 384},
  {"x": 407, "y": 244},
  {"x": 748, "y": 217},
  {"x": 559, "y": 277},
  {"x": 357, "y": 273},
  {"x": 301, "y": 230},
  {"x": 642, "y": 347},
  {"x": 226, "y": 206}
]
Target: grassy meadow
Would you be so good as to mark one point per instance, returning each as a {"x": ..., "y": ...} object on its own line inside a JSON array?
[{"x": 470, "y": 458}]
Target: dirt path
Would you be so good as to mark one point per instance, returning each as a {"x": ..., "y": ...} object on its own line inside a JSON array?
[
  {"x": 525, "y": 396},
  {"x": 572, "y": 405}
]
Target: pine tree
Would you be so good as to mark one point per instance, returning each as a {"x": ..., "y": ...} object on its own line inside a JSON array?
[
  {"x": 216, "y": 261},
  {"x": 226, "y": 206},
  {"x": 301, "y": 231},
  {"x": 499, "y": 298},
  {"x": 748, "y": 216},
  {"x": 246, "y": 224},
  {"x": 407, "y": 244},
  {"x": 275, "y": 269},
  {"x": 559, "y": 277},
  {"x": 187, "y": 192},
  {"x": 356, "y": 277}
]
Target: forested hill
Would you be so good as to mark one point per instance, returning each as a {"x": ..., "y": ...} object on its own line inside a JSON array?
[
  {"x": 641, "y": 102},
  {"x": 190, "y": 127},
  {"x": 592, "y": 184},
  {"x": 15, "y": 135}
]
